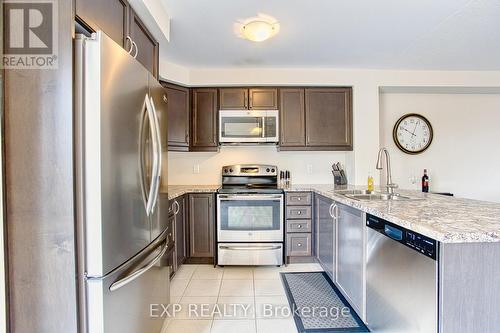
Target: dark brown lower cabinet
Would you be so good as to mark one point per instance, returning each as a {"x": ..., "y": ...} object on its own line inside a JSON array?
[
  {"x": 171, "y": 262},
  {"x": 201, "y": 225},
  {"x": 180, "y": 230},
  {"x": 204, "y": 120}
]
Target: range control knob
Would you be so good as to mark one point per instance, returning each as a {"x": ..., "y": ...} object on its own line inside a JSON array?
[
  {"x": 225, "y": 170},
  {"x": 231, "y": 170},
  {"x": 272, "y": 170},
  {"x": 267, "y": 170}
]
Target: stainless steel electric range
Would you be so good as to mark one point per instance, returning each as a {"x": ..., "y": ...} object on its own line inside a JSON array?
[{"x": 250, "y": 223}]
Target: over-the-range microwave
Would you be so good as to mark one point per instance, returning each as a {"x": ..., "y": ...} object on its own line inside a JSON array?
[{"x": 248, "y": 126}]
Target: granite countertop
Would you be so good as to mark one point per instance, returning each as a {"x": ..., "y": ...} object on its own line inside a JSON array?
[
  {"x": 175, "y": 191},
  {"x": 446, "y": 219},
  {"x": 443, "y": 218}
]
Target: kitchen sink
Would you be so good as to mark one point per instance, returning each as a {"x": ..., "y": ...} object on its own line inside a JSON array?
[
  {"x": 376, "y": 196},
  {"x": 354, "y": 192}
]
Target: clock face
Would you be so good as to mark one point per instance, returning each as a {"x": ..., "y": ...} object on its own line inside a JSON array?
[{"x": 412, "y": 133}]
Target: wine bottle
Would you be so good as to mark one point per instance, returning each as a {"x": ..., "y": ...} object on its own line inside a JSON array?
[{"x": 425, "y": 182}]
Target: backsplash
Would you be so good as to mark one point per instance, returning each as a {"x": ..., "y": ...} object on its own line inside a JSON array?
[{"x": 305, "y": 167}]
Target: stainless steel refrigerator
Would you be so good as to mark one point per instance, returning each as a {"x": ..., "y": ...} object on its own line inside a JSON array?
[{"x": 123, "y": 236}]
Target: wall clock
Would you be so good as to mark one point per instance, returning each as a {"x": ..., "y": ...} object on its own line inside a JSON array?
[{"x": 412, "y": 133}]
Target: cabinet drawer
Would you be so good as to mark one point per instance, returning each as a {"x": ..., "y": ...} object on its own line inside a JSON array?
[
  {"x": 299, "y": 198},
  {"x": 298, "y": 245},
  {"x": 298, "y": 226},
  {"x": 298, "y": 212}
]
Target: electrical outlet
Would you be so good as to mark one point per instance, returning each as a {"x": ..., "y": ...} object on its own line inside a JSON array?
[
  {"x": 309, "y": 169},
  {"x": 196, "y": 168}
]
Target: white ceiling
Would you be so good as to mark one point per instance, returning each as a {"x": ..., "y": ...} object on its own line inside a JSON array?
[{"x": 382, "y": 34}]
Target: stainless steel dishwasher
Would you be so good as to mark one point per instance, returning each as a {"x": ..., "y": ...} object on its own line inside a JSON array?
[{"x": 401, "y": 279}]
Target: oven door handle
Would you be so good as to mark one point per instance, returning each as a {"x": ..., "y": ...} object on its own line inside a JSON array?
[
  {"x": 227, "y": 197},
  {"x": 252, "y": 248}
]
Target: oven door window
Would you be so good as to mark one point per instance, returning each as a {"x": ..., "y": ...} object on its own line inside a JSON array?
[
  {"x": 241, "y": 127},
  {"x": 250, "y": 215}
]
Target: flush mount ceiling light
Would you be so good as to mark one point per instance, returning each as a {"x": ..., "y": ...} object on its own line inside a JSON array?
[{"x": 258, "y": 29}]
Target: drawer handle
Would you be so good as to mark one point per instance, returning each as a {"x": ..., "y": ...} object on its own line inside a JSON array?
[
  {"x": 299, "y": 226},
  {"x": 299, "y": 198},
  {"x": 299, "y": 244},
  {"x": 299, "y": 212},
  {"x": 253, "y": 248}
]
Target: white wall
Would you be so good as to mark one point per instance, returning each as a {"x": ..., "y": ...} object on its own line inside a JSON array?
[
  {"x": 464, "y": 157},
  {"x": 210, "y": 164}
]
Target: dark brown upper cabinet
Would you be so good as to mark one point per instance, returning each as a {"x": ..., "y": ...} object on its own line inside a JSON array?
[
  {"x": 248, "y": 98},
  {"x": 292, "y": 118},
  {"x": 204, "y": 120},
  {"x": 146, "y": 46},
  {"x": 262, "y": 99},
  {"x": 118, "y": 20},
  {"x": 110, "y": 16},
  {"x": 328, "y": 118},
  {"x": 178, "y": 117},
  {"x": 233, "y": 98}
]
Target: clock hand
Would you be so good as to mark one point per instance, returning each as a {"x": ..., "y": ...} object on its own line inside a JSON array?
[
  {"x": 408, "y": 131},
  {"x": 414, "y": 129}
]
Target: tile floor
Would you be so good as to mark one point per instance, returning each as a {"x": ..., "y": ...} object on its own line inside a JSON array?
[{"x": 249, "y": 299}]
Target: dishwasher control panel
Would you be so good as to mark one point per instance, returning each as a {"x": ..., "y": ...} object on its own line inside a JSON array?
[{"x": 418, "y": 242}]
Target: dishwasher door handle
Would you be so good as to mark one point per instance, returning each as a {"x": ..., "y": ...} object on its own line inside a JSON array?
[{"x": 393, "y": 233}]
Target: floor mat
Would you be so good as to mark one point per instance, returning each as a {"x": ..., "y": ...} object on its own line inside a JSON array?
[{"x": 318, "y": 306}]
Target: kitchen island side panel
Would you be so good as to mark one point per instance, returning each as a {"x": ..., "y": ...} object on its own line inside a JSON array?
[{"x": 469, "y": 288}]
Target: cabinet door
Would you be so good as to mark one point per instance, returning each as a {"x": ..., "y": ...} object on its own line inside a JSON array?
[
  {"x": 263, "y": 99},
  {"x": 171, "y": 257},
  {"x": 329, "y": 118},
  {"x": 110, "y": 16},
  {"x": 178, "y": 117},
  {"x": 292, "y": 118},
  {"x": 147, "y": 46},
  {"x": 350, "y": 258},
  {"x": 180, "y": 231},
  {"x": 325, "y": 226},
  {"x": 201, "y": 225},
  {"x": 204, "y": 120},
  {"x": 233, "y": 98}
]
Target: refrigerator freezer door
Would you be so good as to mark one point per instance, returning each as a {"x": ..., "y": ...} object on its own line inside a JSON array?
[
  {"x": 159, "y": 217},
  {"x": 115, "y": 221},
  {"x": 130, "y": 299}
]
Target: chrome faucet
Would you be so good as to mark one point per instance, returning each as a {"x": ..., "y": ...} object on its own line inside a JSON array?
[{"x": 390, "y": 185}]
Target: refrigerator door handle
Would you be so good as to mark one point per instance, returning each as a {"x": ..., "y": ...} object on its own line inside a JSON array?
[
  {"x": 134, "y": 275},
  {"x": 156, "y": 158},
  {"x": 141, "y": 156},
  {"x": 157, "y": 174}
]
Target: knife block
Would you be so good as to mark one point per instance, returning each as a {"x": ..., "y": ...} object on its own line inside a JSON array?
[{"x": 338, "y": 179}]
